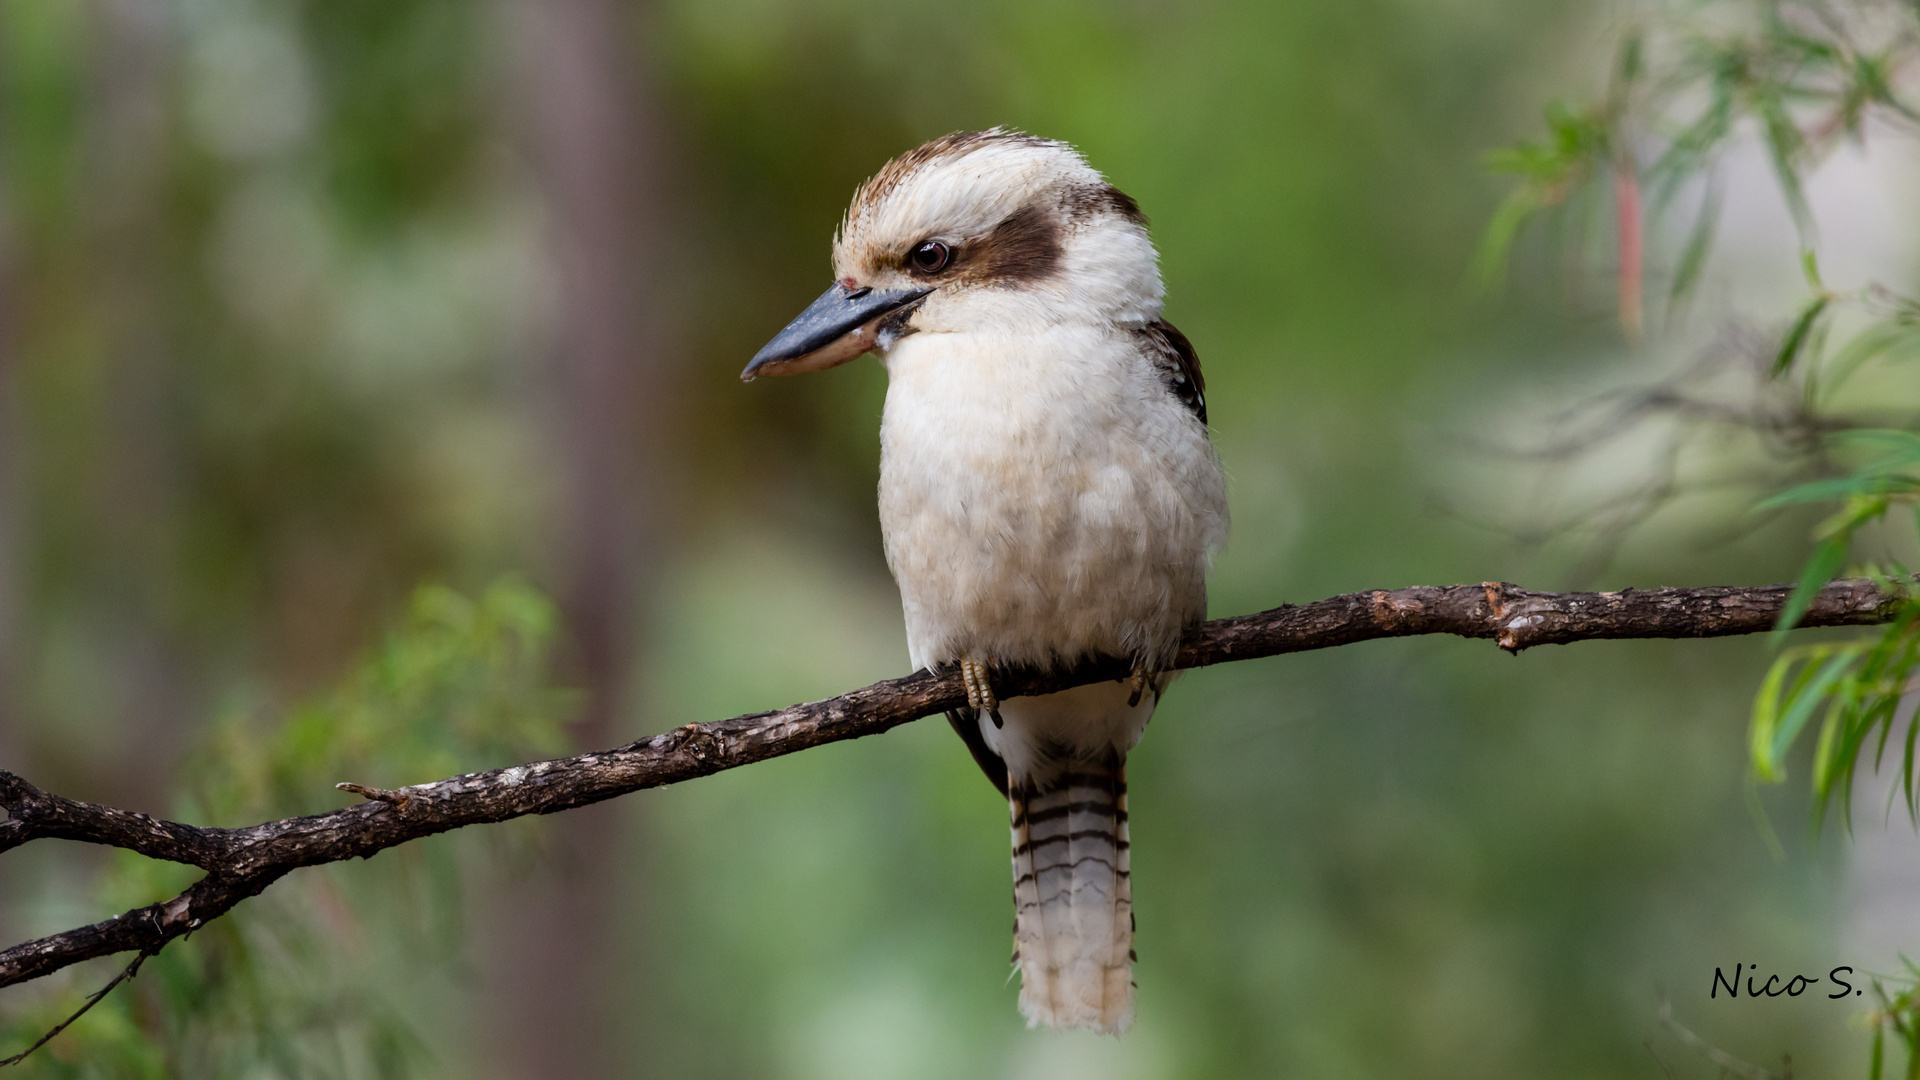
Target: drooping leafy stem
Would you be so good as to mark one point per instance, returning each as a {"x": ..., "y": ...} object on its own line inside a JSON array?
[
  {"x": 1860, "y": 684},
  {"x": 1797, "y": 77},
  {"x": 1691, "y": 84}
]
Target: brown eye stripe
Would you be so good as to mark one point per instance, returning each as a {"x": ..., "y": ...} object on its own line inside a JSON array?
[{"x": 1024, "y": 247}]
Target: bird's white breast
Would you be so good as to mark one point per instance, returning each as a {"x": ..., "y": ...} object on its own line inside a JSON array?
[{"x": 1043, "y": 497}]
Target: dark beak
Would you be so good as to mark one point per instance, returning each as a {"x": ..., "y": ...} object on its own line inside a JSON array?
[{"x": 834, "y": 329}]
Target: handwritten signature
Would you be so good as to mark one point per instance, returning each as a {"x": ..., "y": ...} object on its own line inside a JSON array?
[{"x": 1793, "y": 986}]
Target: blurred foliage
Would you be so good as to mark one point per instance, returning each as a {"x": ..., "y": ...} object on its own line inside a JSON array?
[
  {"x": 1899, "y": 1013},
  {"x": 309, "y": 980},
  {"x": 1688, "y": 88},
  {"x": 280, "y": 321},
  {"x": 1688, "y": 82},
  {"x": 1861, "y": 684}
]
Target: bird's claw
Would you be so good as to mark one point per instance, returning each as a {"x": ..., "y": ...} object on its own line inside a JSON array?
[
  {"x": 980, "y": 689},
  {"x": 1137, "y": 684}
]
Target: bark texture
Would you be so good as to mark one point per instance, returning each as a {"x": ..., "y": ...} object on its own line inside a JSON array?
[{"x": 242, "y": 862}]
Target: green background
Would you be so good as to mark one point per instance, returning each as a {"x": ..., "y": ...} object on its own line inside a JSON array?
[{"x": 284, "y": 293}]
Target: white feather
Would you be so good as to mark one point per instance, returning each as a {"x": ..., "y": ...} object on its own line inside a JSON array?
[{"x": 1044, "y": 497}]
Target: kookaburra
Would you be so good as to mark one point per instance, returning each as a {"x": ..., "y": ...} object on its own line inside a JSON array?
[{"x": 1047, "y": 494}]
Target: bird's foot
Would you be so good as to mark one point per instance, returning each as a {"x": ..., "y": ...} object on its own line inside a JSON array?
[
  {"x": 1138, "y": 684},
  {"x": 980, "y": 689}
]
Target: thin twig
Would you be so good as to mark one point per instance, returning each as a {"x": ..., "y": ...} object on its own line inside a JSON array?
[
  {"x": 396, "y": 798},
  {"x": 126, "y": 973},
  {"x": 1727, "y": 1062}
]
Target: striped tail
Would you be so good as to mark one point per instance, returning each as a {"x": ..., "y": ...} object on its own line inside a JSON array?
[{"x": 1073, "y": 900}]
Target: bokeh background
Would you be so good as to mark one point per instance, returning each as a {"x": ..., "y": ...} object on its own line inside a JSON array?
[{"x": 305, "y": 305}]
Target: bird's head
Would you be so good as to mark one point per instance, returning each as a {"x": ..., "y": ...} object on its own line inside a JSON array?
[{"x": 980, "y": 230}]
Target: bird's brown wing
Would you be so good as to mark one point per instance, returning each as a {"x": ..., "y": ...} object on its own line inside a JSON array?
[{"x": 1179, "y": 365}]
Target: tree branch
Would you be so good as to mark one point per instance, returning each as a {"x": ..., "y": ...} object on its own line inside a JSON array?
[{"x": 242, "y": 862}]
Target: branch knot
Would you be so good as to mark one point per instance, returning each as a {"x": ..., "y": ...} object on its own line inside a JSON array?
[
  {"x": 1393, "y": 611},
  {"x": 698, "y": 743}
]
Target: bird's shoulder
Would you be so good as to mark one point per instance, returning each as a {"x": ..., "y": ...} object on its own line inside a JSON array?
[{"x": 1176, "y": 363}]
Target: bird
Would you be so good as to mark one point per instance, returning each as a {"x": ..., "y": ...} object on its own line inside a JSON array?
[{"x": 1048, "y": 493}]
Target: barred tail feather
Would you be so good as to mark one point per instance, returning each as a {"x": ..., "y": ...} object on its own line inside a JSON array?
[{"x": 1073, "y": 900}]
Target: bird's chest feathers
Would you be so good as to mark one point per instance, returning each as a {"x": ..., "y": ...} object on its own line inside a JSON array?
[
  {"x": 1027, "y": 499},
  {"x": 1003, "y": 440}
]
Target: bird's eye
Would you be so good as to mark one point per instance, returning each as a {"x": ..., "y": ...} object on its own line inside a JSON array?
[{"x": 931, "y": 257}]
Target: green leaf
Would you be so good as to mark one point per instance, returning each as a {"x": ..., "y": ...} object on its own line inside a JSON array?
[
  {"x": 1797, "y": 334},
  {"x": 1841, "y": 487},
  {"x": 1766, "y": 715},
  {"x": 1820, "y": 569},
  {"x": 1859, "y": 510},
  {"x": 1810, "y": 267},
  {"x": 1633, "y": 60},
  {"x": 1897, "y": 449},
  {"x": 1886, "y": 440},
  {"x": 1870, "y": 76},
  {"x": 1906, "y": 772},
  {"x": 1699, "y": 241},
  {"x": 1490, "y": 260},
  {"x": 1824, "y": 770},
  {"x": 1575, "y": 141},
  {"x": 1694, "y": 144},
  {"x": 1800, "y": 707},
  {"x": 1784, "y": 145}
]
